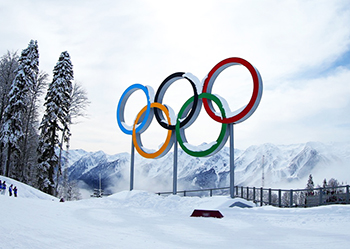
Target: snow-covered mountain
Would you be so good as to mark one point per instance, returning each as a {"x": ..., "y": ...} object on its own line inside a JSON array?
[{"x": 283, "y": 165}]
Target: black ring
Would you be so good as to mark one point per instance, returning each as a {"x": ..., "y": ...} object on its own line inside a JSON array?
[{"x": 160, "y": 95}]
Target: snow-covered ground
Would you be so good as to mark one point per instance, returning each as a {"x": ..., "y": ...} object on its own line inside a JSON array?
[{"x": 140, "y": 219}]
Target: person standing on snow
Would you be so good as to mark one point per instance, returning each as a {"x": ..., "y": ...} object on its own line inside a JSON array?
[
  {"x": 15, "y": 191},
  {"x": 10, "y": 190},
  {"x": 3, "y": 189}
]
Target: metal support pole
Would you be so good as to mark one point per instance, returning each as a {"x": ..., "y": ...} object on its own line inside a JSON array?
[
  {"x": 132, "y": 161},
  {"x": 270, "y": 196},
  {"x": 253, "y": 193},
  {"x": 175, "y": 169},
  {"x": 261, "y": 196},
  {"x": 279, "y": 198},
  {"x": 232, "y": 161},
  {"x": 347, "y": 193},
  {"x": 247, "y": 193},
  {"x": 100, "y": 185},
  {"x": 291, "y": 198}
]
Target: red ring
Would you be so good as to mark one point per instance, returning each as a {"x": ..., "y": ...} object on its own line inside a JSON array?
[{"x": 246, "y": 112}]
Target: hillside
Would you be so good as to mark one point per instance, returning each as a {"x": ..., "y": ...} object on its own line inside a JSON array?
[
  {"x": 25, "y": 191},
  {"x": 140, "y": 219}
]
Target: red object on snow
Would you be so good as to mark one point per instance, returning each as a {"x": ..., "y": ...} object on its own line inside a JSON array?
[{"x": 207, "y": 213}]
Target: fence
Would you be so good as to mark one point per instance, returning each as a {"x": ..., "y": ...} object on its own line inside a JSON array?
[{"x": 279, "y": 197}]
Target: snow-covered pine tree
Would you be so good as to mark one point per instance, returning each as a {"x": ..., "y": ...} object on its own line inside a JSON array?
[
  {"x": 310, "y": 186},
  {"x": 17, "y": 109},
  {"x": 30, "y": 62},
  {"x": 11, "y": 132},
  {"x": 325, "y": 185},
  {"x": 38, "y": 81},
  {"x": 55, "y": 120}
]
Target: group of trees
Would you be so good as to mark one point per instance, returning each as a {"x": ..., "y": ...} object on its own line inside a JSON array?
[
  {"x": 330, "y": 186},
  {"x": 30, "y": 148},
  {"x": 299, "y": 197}
]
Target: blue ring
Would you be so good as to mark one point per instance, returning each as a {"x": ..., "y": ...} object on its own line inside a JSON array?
[{"x": 121, "y": 107}]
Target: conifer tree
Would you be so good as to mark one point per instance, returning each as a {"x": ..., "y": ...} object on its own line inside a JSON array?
[
  {"x": 15, "y": 113},
  {"x": 36, "y": 82},
  {"x": 325, "y": 185},
  {"x": 310, "y": 186},
  {"x": 55, "y": 120}
]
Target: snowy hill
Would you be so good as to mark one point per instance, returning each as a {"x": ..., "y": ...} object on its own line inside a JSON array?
[
  {"x": 25, "y": 191},
  {"x": 140, "y": 219},
  {"x": 283, "y": 165}
]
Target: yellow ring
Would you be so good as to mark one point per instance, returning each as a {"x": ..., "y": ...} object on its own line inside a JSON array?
[{"x": 168, "y": 138}]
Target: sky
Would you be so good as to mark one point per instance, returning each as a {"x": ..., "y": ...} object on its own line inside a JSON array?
[{"x": 300, "y": 48}]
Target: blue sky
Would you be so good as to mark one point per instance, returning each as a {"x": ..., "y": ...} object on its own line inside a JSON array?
[{"x": 301, "y": 49}]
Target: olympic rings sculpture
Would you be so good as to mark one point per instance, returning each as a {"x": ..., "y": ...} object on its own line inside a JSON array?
[{"x": 189, "y": 111}]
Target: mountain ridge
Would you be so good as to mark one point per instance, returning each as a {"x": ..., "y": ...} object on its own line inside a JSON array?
[{"x": 283, "y": 165}]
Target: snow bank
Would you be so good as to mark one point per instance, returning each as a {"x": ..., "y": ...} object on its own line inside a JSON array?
[{"x": 139, "y": 219}]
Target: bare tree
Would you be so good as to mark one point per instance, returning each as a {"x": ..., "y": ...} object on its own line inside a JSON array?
[
  {"x": 79, "y": 104},
  {"x": 8, "y": 66}
]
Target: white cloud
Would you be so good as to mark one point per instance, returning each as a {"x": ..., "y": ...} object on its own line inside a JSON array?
[{"x": 114, "y": 44}]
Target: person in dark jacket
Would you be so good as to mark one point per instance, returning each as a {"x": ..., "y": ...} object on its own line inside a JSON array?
[
  {"x": 10, "y": 190},
  {"x": 15, "y": 191},
  {"x": 3, "y": 189}
]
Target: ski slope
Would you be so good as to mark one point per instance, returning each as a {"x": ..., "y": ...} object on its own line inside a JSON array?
[{"x": 139, "y": 219}]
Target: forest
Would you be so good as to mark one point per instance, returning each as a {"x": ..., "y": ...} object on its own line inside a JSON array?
[{"x": 36, "y": 115}]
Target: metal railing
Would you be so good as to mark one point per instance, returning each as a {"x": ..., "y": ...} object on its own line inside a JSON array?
[{"x": 279, "y": 197}]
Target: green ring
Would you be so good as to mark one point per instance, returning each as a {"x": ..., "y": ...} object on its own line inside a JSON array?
[{"x": 220, "y": 141}]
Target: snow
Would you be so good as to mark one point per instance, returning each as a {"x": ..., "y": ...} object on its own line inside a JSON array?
[
  {"x": 195, "y": 80},
  {"x": 202, "y": 147},
  {"x": 227, "y": 109},
  {"x": 172, "y": 115},
  {"x": 140, "y": 219},
  {"x": 150, "y": 93},
  {"x": 130, "y": 127},
  {"x": 148, "y": 151}
]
